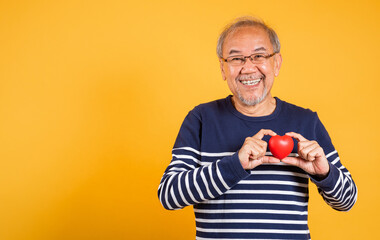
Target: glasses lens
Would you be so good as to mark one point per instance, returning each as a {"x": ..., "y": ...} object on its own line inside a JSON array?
[
  {"x": 257, "y": 58},
  {"x": 236, "y": 61}
]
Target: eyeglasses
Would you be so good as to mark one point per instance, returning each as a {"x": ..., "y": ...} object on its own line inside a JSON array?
[{"x": 240, "y": 60}]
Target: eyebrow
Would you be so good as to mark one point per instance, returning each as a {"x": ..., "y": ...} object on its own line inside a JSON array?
[
  {"x": 232, "y": 51},
  {"x": 260, "y": 49}
]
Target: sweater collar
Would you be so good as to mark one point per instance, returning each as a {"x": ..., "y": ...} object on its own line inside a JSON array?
[{"x": 273, "y": 115}]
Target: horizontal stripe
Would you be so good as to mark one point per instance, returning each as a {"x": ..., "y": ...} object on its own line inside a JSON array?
[
  {"x": 266, "y": 192},
  {"x": 179, "y": 162},
  {"x": 276, "y": 164},
  {"x": 207, "y": 154},
  {"x": 335, "y": 160},
  {"x": 270, "y": 221},
  {"x": 206, "y": 163},
  {"x": 187, "y": 157},
  {"x": 254, "y": 201},
  {"x": 331, "y": 153},
  {"x": 173, "y": 169},
  {"x": 305, "y": 185},
  {"x": 290, "y": 154},
  {"x": 266, "y": 211},
  {"x": 226, "y": 230},
  {"x": 170, "y": 173},
  {"x": 270, "y": 172}
]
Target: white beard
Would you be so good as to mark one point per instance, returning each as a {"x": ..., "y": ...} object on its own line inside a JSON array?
[{"x": 252, "y": 102}]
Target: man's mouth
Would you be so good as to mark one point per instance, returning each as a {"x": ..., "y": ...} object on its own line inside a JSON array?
[{"x": 251, "y": 82}]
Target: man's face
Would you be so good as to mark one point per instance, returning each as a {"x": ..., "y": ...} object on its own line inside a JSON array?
[{"x": 250, "y": 83}]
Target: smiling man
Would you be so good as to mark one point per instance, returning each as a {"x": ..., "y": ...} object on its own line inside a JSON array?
[
  {"x": 250, "y": 81},
  {"x": 220, "y": 161}
]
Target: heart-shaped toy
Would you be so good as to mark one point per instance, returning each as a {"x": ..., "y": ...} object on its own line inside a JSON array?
[{"x": 281, "y": 146}]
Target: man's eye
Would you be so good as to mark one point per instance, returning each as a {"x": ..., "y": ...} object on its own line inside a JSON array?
[
  {"x": 237, "y": 59},
  {"x": 258, "y": 56}
]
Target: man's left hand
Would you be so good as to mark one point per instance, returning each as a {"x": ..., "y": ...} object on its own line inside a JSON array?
[{"x": 311, "y": 157}]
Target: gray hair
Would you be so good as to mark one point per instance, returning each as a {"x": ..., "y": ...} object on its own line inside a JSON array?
[{"x": 247, "y": 21}]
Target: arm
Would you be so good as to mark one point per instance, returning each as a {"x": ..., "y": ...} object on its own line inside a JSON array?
[
  {"x": 338, "y": 188},
  {"x": 187, "y": 180},
  {"x": 333, "y": 180}
]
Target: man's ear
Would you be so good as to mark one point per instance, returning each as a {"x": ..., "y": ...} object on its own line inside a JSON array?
[
  {"x": 277, "y": 64},
  {"x": 222, "y": 68}
]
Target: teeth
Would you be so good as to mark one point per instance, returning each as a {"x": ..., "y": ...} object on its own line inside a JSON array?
[{"x": 249, "y": 83}]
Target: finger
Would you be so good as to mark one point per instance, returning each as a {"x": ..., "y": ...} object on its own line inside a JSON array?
[
  {"x": 308, "y": 152},
  {"x": 256, "y": 144},
  {"x": 264, "y": 132},
  {"x": 262, "y": 145},
  {"x": 270, "y": 159},
  {"x": 305, "y": 144},
  {"x": 292, "y": 161},
  {"x": 254, "y": 153},
  {"x": 262, "y": 150},
  {"x": 257, "y": 155},
  {"x": 314, "y": 153},
  {"x": 304, "y": 148},
  {"x": 264, "y": 159},
  {"x": 297, "y": 136}
]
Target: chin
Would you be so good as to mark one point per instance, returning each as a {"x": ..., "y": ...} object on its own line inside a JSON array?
[{"x": 252, "y": 101}]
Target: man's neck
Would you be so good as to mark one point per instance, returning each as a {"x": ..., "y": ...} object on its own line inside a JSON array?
[{"x": 264, "y": 108}]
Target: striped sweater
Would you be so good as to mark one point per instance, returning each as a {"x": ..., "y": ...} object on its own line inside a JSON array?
[{"x": 267, "y": 202}]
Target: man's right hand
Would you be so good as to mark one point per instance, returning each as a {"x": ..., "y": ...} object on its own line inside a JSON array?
[{"x": 252, "y": 153}]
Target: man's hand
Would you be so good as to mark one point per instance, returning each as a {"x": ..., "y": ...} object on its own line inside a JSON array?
[
  {"x": 311, "y": 158},
  {"x": 252, "y": 153}
]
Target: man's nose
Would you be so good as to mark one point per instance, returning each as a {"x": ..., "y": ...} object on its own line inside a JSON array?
[{"x": 248, "y": 66}]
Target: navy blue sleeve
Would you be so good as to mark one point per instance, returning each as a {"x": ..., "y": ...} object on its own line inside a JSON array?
[
  {"x": 338, "y": 188},
  {"x": 187, "y": 180}
]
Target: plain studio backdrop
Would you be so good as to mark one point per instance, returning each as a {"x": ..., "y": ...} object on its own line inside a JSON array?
[{"x": 92, "y": 95}]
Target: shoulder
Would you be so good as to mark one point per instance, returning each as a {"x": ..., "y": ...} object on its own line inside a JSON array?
[
  {"x": 304, "y": 120},
  {"x": 211, "y": 109},
  {"x": 297, "y": 111}
]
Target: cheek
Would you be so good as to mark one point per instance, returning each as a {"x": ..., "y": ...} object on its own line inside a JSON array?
[
  {"x": 264, "y": 69},
  {"x": 268, "y": 69},
  {"x": 232, "y": 73}
]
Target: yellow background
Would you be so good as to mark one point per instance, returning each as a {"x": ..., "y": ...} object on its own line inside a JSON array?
[{"x": 92, "y": 95}]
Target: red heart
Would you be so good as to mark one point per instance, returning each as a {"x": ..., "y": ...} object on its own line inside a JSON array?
[{"x": 281, "y": 146}]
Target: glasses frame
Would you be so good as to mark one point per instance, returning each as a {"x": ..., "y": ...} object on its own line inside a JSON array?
[{"x": 250, "y": 57}]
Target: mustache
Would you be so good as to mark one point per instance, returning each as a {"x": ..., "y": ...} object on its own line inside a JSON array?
[{"x": 244, "y": 77}]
